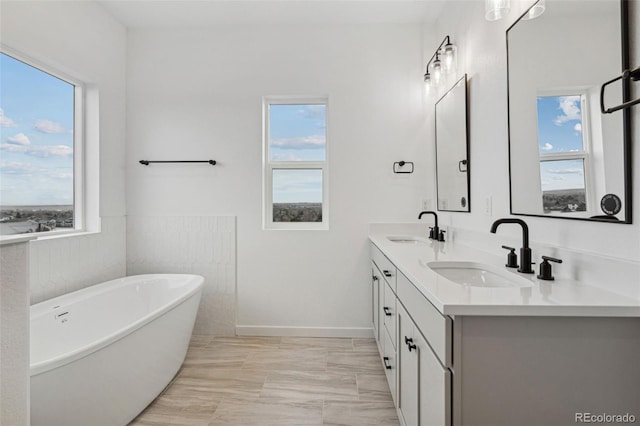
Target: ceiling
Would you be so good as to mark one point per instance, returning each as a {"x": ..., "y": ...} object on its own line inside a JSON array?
[{"x": 207, "y": 13}]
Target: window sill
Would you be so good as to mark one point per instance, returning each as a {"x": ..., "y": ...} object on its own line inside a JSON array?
[{"x": 14, "y": 239}]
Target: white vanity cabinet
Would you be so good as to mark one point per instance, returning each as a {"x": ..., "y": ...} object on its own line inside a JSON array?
[{"x": 499, "y": 369}]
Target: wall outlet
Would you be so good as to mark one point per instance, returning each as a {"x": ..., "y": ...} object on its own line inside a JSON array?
[
  {"x": 488, "y": 205},
  {"x": 426, "y": 204}
]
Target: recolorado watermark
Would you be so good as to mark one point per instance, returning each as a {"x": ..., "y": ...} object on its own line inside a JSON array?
[{"x": 604, "y": 418}]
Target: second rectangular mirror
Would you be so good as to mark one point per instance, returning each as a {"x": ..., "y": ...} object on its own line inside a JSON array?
[{"x": 452, "y": 149}]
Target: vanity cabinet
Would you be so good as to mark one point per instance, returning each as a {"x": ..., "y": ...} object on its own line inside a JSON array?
[
  {"x": 414, "y": 340},
  {"x": 498, "y": 369}
]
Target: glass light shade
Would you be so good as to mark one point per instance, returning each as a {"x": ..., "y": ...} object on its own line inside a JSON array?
[
  {"x": 449, "y": 58},
  {"x": 436, "y": 71},
  {"x": 536, "y": 10},
  {"x": 428, "y": 83},
  {"x": 496, "y": 9}
]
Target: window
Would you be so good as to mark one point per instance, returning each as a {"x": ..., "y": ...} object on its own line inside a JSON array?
[
  {"x": 563, "y": 151},
  {"x": 40, "y": 132},
  {"x": 295, "y": 164}
]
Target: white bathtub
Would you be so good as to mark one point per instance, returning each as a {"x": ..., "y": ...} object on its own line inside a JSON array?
[{"x": 100, "y": 355}]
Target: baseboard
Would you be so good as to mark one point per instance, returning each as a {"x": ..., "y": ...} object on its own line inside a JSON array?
[{"x": 262, "y": 330}]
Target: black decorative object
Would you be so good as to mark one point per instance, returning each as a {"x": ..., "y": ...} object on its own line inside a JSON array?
[
  {"x": 611, "y": 204},
  {"x": 147, "y": 162},
  {"x": 398, "y": 165}
]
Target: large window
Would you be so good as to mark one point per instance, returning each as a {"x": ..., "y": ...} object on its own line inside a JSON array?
[
  {"x": 295, "y": 164},
  {"x": 564, "y": 154},
  {"x": 40, "y": 122}
]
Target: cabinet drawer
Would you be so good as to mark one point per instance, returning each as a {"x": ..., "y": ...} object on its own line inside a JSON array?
[
  {"x": 435, "y": 327},
  {"x": 387, "y": 268},
  {"x": 391, "y": 365},
  {"x": 390, "y": 313}
]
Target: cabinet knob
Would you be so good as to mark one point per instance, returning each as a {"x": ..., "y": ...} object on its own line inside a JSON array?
[
  {"x": 375, "y": 278},
  {"x": 386, "y": 363},
  {"x": 386, "y": 311}
]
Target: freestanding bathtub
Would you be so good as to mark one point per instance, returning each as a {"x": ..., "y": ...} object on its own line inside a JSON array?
[{"x": 100, "y": 355}]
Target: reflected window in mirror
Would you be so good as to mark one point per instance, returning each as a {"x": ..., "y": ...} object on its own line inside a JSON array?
[
  {"x": 564, "y": 149},
  {"x": 566, "y": 157}
]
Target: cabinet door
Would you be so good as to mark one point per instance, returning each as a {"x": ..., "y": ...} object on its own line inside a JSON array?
[
  {"x": 375, "y": 300},
  {"x": 408, "y": 369},
  {"x": 391, "y": 364},
  {"x": 434, "y": 386},
  {"x": 390, "y": 312}
]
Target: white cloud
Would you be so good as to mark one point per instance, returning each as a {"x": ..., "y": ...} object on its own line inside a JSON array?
[
  {"x": 6, "y": 121},
  {"x": 15, "y": 168},
  {"x": 578, "y": 127},
  {"x": 19, "y": 139},
  {"x": 48, "y": 126},
  {"x": 39, "y": 150},
  {"x": 546, "y": 147},
  {"x": 570, "y": 107},
  {"x": 567, "y": 171},
  {"x": 305, "y": 142},
  {"x": 286, "y": 156}
]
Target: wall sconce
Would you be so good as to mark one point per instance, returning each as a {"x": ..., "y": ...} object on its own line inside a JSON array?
[
  {"x": 437, "y": 67},
  {"x": 496, "y": 9}
]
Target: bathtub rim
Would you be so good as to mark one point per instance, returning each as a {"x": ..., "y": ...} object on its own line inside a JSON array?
[{"x": 43, "y": 307}]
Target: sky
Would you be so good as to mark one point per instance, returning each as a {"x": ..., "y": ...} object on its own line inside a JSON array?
[
  {"x": 36, "y": 136},
  {"x": 297, "y": 133},
  {"x": 560, "y": 130}
]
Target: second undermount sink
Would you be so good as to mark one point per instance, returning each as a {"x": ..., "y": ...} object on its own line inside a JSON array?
[
  {"x": 477, "y": 274},
  {"x": 407, "y": 239}
]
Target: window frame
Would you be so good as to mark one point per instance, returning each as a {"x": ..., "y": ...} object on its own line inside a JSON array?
[
  {"x": 80, "y": 220},
  {"x": 585, "y": 153},
  {"x": 268, "y": 165}
]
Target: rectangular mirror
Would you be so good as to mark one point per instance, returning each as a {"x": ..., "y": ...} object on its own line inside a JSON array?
[
  {"x": 567, "y": 159},
  {"x": 452, "y": 149}
]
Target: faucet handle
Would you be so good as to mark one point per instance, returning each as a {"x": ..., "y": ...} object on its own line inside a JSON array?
[
  {"x": 545, "y": 268},
  {"x": 431, "y": 235},
  {"x": 512, "y": 257},
  {"x": 441, "y": 235}
]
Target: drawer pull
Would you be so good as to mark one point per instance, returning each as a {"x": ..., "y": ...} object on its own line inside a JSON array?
[
  {"x": 386, "y": 363},
  {"x": 387, "y": 273},
  {"x": 386, "y": 311},
  {"x": 409, "y": 342}
]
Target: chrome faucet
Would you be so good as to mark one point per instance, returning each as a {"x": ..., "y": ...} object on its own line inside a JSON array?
[
  {"x": 525, "y": 251},
  {"x": 434, "y": 232}
]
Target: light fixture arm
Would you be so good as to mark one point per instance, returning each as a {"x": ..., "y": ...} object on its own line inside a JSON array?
[{"x": 437, "y": 52}]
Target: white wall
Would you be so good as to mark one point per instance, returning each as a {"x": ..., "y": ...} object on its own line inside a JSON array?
[
  {"x": 198, "y": 94},
  {"x": 14, "y": 335},
  {"x": 482, "y": 49},
  {"x": 82, "y": 40}
]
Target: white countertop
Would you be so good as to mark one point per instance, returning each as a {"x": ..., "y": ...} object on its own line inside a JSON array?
[{"x": 561, "y": 297}]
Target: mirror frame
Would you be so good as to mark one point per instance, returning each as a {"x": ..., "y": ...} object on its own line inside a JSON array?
[
  {"x": 467, "y": 149},
  {"x": 626, "y": 125}
]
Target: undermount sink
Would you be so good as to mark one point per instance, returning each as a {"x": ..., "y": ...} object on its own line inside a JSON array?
[
  {"x": 407, "y": 239},
  {"x": 477, "y": 274}
]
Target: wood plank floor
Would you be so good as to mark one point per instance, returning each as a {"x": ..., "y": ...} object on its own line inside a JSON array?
[{"x": 276, "y": 381}]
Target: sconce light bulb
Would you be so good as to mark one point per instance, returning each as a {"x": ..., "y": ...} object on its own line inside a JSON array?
[
  {"x": 496, "y": 9},
  {"x": 427, "y": 82},
  {"x": 436, "y": 70},
  {"x": 450, "y": 59}
]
